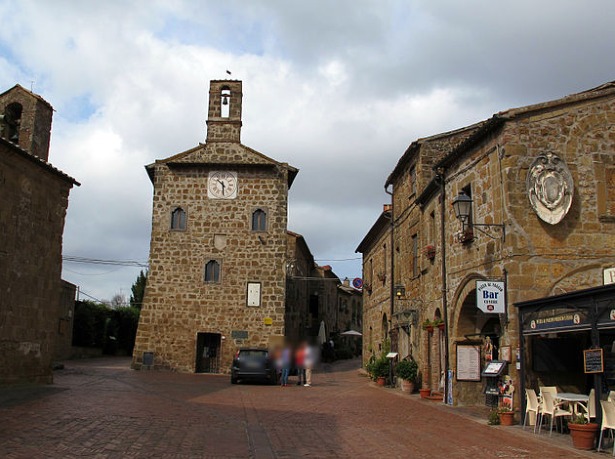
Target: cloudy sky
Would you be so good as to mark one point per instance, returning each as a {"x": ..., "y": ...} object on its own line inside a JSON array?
[{"x": 337, "y": 88}]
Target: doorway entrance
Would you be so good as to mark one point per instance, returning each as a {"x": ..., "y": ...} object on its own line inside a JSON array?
[{"x": 208, "y": 352}]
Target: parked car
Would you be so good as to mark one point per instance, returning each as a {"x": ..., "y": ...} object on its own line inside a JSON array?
[{"x": 254, "y": 364}]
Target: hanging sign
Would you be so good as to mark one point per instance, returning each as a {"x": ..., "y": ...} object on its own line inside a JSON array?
[
  {"x": 490, "y": 297},
  {"x": 593, "y": 361}
]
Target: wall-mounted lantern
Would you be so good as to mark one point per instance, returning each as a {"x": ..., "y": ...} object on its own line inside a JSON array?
[{"x": 462, "y": 205}]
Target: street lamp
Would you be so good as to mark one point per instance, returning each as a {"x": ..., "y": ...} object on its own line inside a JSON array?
[{"x": 462, "y": 205}]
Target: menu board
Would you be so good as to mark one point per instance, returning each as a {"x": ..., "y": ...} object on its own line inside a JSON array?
[
  {"x": 468, "y": 363},
  {"x": 593, "y": 361}
]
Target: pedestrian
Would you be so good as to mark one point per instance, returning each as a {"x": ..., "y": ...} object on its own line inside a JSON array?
[
  {"x": 285, "y": 361},
  {"x": 309, "y": 360},
  {"x": 299, "y": 364}
]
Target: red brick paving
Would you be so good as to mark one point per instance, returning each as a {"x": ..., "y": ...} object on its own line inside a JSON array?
[{"x": 101, "y": 409}]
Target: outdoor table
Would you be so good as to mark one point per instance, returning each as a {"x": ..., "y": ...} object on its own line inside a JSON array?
[{"x": 573, "y": 400}]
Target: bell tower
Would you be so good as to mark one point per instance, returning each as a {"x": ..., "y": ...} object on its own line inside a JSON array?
[
  {"x": 224, "y": 115},
  {"x": 25, "y": 120}
]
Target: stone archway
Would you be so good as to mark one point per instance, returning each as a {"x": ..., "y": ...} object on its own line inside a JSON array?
[{"x": 467, "y": 324}]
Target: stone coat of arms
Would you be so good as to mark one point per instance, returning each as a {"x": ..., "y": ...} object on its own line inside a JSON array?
[{"x": 550, "y": 188}]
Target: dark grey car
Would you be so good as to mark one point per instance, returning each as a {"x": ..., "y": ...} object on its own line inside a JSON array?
[{"x": 253, "y": 364}]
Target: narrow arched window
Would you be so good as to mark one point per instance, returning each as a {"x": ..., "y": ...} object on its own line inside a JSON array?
[
  {"x": 212, "y": 271},
  {"x": 259, "y": 220},
  {"x": 225, "y": 102},
  {"x": 11, "y": 120},
  {"x": 178, "y": 219}
]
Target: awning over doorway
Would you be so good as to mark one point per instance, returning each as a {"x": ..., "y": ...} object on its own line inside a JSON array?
[{"x": 575, "y": 311}]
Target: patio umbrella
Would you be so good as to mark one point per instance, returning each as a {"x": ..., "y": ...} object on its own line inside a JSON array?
[{"x": 351, "y": 333}]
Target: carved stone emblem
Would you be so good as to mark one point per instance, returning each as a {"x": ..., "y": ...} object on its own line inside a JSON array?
[{"x": 550, "y": 188}]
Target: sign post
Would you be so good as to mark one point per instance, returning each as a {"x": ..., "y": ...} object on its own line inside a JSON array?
[{"x": 491, "y": 297}]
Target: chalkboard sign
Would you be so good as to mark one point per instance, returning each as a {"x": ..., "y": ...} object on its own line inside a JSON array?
[{"x": 593, "y": 361}]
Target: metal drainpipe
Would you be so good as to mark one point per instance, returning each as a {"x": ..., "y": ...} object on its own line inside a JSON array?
[
  {"x": 440, "y": 175},
  {"x": 392, "y": 287}
]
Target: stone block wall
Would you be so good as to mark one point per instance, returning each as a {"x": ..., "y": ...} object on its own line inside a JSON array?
[
  {"x": 32, "y": 212},
  {"x": 178, "y": 302}
]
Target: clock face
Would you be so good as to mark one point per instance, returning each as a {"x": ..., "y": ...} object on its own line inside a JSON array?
[{"x": 222, "y": 185}]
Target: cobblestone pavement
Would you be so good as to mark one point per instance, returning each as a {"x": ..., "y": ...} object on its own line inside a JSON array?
[{"x": 100, "y": 408}]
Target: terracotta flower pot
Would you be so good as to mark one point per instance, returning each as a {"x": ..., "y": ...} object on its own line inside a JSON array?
[
  {"x": 583, "y": 435},
  {"x": 507, "y": 418},
  {"x": 381, "y": 381},
  {"x": 407, "y": 386},
  {"x": 425, "y": 393}
]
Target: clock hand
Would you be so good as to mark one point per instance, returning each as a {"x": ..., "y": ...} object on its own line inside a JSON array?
[{"x": 223, "y": 185}]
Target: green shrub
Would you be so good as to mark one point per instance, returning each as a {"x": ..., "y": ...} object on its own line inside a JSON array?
[
  {"x": 381, "y": 368},
  {"x": 407, "y": 369}
]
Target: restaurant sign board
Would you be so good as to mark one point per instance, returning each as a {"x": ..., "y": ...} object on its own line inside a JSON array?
[
  {"x": 468, "y": 362},
  {"x": 490, "y": 297}
]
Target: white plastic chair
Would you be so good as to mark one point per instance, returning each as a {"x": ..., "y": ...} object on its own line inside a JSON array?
[
  {"x": 590, "y": 411},
  {"x": 552, "y": 409},
  {"x": 531, "y": 406},
  {"x": 551, "y": 389},
  {"x": 608, "y": 420}
]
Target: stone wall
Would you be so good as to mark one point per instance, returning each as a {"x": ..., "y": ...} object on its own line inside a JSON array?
[
  {"x": 32, "y": 211},
  {"x": 34, "y": 131},
  {"x": 376, "y": 287}
]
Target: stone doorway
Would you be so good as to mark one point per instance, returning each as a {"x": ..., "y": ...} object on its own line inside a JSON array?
[{"x": 208, "y": 352}]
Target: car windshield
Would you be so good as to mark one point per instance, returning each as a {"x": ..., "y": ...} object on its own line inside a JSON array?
[{"x": 253, "y": 354}]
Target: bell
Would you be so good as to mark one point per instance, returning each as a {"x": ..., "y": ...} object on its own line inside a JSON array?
[{"x": 225, "y": 100}]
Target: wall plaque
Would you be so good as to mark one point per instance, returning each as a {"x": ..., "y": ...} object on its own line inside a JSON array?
[
  {"x": 550, "y": 188},
  {"x": 239, "y": 334}
]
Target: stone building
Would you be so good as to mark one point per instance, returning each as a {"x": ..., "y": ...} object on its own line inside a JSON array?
[
  {"x": 539, "y": 181},
  {"x": 32, "y": 212},
  {"x": 315, "y": 296},
  {"x": 377, "y": 293},
  {"x": 217, "y": 278}
]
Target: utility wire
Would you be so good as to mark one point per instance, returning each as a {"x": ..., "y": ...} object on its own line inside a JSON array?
[{"x": 98, "y": 261}]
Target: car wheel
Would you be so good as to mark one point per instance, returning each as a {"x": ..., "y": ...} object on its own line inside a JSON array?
[{"x": 233, "y": 380}]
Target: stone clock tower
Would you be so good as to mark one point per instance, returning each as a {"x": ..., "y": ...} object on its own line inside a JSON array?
[{"x": 218, "y": 248}]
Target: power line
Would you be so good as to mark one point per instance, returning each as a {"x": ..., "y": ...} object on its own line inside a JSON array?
[
  {"x": 339, "y": 259},
  {"x": 81, "y": 292},
  {"x": 99, "y": 261}
]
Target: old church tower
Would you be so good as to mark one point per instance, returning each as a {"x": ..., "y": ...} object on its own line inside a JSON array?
[{"x": 218, "y": 248}]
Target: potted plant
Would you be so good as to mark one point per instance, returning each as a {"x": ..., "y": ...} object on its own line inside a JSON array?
[
  {"x": 583, "y": 432},
  {"x": 380, "y": 370},
  {"x": 438, "y": 322},
  {"x": 494, "y": 417},
  {"x": 506, "y": 416},
  {"x": 427, "y": 325},
  {"x": 407, "y": 370},
  {"x": 430, "y": 252}
]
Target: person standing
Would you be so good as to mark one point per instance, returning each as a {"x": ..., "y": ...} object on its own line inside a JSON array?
[
  {"x": 309, "y": 360},
  {"x": 299, "y": 364},
  {"x": 286, "y": 362}
]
